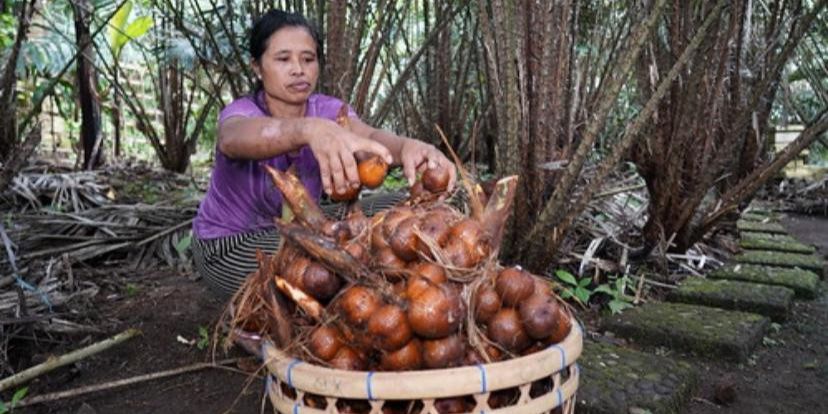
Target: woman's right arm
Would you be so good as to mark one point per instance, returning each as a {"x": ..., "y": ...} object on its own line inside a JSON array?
[
  {"x": 257, "y": 138},
  {"x": 334, "y": 147}
]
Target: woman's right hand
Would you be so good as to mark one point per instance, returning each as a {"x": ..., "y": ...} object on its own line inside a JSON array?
[{"x": 335, "y": 150}]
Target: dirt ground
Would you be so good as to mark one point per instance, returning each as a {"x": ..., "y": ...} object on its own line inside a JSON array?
[
  {"x": 788, "y": 374},
  {"x": 162, "y": 306}
]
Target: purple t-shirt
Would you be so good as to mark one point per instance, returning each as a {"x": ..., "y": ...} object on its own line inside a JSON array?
[{"x": 241, "y": 197}]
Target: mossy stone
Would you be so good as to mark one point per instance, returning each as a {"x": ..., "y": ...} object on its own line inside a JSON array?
[
  {"x": 618, "y": 380},
  {"x": 774, "y": 243},
  {"x": 706, "y": 331},
  {"x": 803, "y": 282},
  {"x": 763, "y": 216},
  {"x": 810, "y": 262},
  {"x": 760, "y": 227},
  {"x": 772, "y": 301}
]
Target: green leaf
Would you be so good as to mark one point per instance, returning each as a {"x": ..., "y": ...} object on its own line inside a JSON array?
[
  {"x": 139, "y": 27},
  {"x": 566, "y": 277},
  {"x": 616, "y": 306},
  {"x": 604, "y": 288},
  {"x": 184, "y": 243},
  {"x": 3, "y": 408},
  {"x": 583, "y": 294},
  {"x": 567, "y": 293},
  {"x": 203, "y": 338},
  {"x": 584, "y": 282},
  {"x": 117, "y": 39},
  {"x": 19, "y": 395}
]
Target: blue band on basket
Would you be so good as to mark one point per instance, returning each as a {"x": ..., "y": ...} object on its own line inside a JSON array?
[
  {"x": 560, "y": 397},
  {"x": 293, "y": 363},
  {"x": 368, "y": 385},
  {"x": 484, "y": 387},
  {"x": 563, "y": 355},
  {"x": 295, "y": 408}
]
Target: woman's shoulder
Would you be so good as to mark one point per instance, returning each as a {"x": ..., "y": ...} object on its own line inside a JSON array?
[
  {"x": 326, "y": 106},
  {"x": 243, "y": 106}
]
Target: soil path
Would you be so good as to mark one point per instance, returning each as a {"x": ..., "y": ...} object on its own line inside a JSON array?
[
  {"x": 789, "y": 373},
  {"x": 162, "y": 306}
]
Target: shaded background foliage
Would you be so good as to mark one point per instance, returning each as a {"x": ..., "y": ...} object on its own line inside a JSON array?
[{"x": 562, "y": 93}]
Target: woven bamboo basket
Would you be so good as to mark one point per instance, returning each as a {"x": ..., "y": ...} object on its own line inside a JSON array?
[{"x": 542, "y": 382}]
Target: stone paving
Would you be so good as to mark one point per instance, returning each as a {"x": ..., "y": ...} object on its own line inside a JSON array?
[
  {"x": 772, "y": 301},
  {"x": 723, "y": 316},
  {"x": 760, "y": 227},
  {"x": 705, "y": 331},
  {"x": 810, "y": 262},
  {"x": 616, "y": 379},
  {"x": 777, "y": 242},
  {"x": 803, "y": 282}
]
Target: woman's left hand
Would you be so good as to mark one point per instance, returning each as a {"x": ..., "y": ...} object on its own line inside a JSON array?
[{"x": 418, "y": 156}]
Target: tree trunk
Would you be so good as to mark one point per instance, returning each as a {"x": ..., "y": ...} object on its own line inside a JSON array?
[
  {"x": 14, "y": 154},
  {"x": 708, "y": 137},
  {"x": 116, "y": 118},
  {"x": 88, "y": 99}
]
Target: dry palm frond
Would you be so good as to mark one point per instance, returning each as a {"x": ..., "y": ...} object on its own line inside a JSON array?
[{"x": 142, "y": 234}]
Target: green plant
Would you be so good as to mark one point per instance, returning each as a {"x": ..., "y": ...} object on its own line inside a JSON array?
[
  {"x": 18, "y": 395},
  {"x": 575, "y": 288},
  {"x": 615, "y": 289},
  {"x": 7, "y": 25},
  {"x": 203, "y": 338},
  {"x": 131, "y": 289},
  {"x": 184, "y": 243},
  {"x": 395, "y": 180}
]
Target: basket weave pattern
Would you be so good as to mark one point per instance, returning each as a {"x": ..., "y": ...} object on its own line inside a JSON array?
[{"x": 542, "y": 382}]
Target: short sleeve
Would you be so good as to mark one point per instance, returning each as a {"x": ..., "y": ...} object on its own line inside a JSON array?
[
  {"x": 324, "y": 106},
  {"x": 244, "y": 107}
]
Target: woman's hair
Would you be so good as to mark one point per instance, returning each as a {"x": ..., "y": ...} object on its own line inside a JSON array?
[
  {"x": 270, "y": 23},
  {"x": 263, "y": 28}
]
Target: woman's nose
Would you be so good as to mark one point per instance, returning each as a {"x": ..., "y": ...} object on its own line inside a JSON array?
[{"x": 296, "y": 68}]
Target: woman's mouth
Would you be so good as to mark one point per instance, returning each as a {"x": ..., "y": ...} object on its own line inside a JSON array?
[{"x": 299, "y": 86}]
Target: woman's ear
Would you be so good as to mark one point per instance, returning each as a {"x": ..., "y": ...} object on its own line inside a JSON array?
[{"x": 256, "y": 69}]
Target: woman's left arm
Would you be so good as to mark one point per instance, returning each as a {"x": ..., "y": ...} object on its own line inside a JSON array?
[{"x": 414, "y": 155}]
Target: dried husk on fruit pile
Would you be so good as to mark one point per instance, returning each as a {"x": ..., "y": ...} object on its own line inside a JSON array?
[{"x": 414, "y": 287}]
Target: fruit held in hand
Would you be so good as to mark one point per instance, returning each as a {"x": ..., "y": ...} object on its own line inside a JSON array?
[
  {"x": 372, "y": 171},
  {"x": 349, "y": 194},
  {"x": 436, "y": 180}
]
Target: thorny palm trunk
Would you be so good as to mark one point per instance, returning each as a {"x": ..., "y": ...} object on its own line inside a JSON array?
[
  {"x": 528, "y": 51},
  {"x": 711, "y": 126},
  {"x": 87, "y": 88}
]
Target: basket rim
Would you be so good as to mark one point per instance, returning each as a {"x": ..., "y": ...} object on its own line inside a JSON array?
[{"x": 470, "y": 379}]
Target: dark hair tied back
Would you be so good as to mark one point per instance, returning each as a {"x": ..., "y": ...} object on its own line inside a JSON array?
[{"x": 270, "y": 23}]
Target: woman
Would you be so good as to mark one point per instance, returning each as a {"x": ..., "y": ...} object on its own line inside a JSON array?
[{"x": 283, "y": 124}]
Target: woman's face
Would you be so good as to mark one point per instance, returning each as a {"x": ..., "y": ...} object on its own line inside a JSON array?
[{"x": 289, "y": 66}]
